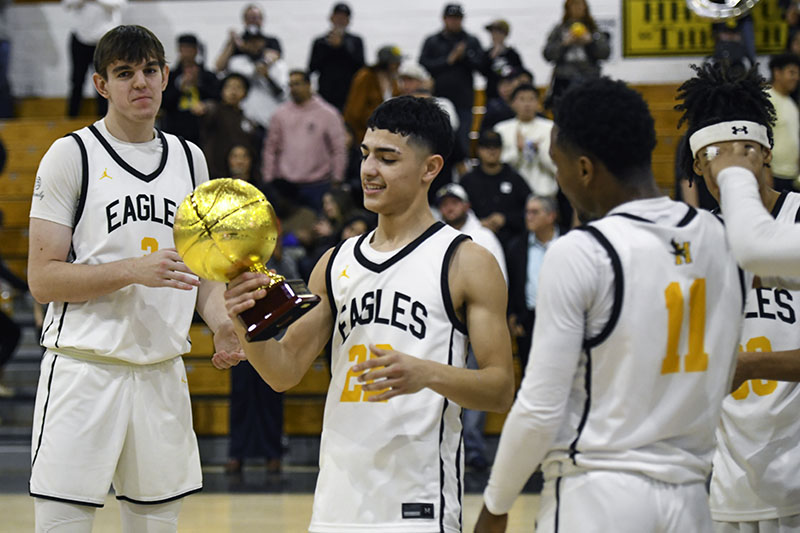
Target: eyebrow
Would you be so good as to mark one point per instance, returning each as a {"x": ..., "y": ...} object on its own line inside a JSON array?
[
  {"x": 381, "y": 149},
  {"x": 127, "y": 66}
]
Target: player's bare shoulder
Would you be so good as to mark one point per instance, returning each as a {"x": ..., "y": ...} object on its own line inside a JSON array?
[{"x": 473, "y": 270}]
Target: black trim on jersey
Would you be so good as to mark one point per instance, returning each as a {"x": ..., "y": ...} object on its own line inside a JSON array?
[
  {"x": 632, "y": 217},
  {"x": 84, "y": 179},
  {"x": 587, "y": 384},
  {"x": 189, "y": 158},
  {"x": 65, "y": 500},
  {"x": 158, "y": 502},
  {"x": 407, "y": 249},
  {"x": 742, "y": 286},
  {"x": 44, "y": 410},
  {"x": 441, "y": 467},
  {"x": 460, "y": 442},
  {"x": 329, "y": 280},
  {"x": 558, "y": 503},
  {"x": 797, "y": 216},
  {"x": 779, "y": 204},
  {"x": 121, "y": 162},
  {"x": 688, "y": 218},
  {"x": 61, "y": 322},
  {"x": 445, "y": 277},
  {"x": 619, "y": 286},
  {"x": 47, "y": 328}
]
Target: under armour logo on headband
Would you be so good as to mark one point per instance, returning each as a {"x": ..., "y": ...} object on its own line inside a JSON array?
[{"x": 736, "y": 130}]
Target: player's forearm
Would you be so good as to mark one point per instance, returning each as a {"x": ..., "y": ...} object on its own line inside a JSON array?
[
  {"x": 778, "y": 366},
  {"x": 276, "y": 365},
  {"x": 211, "y": 304},
  {"x": 58, "y": 281},
  {"x": 759, "y": 243},
  {"x": 485, "y": 389}
]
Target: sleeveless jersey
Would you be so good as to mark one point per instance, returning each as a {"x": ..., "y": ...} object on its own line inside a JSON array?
[
  {"x": 395, "y": 465},
  {"x": 123, "y": 213},
  {"x": 647, "y": 393},
  {"x": 757, "y": 459}
]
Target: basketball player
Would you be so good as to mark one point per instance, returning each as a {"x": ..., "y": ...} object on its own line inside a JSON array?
[
  {"x": 397, "y": 305},
  {"x": 754, "y": 487},
  {"x": 113, "y": 404},
  {"x": 635, "y": 346}
]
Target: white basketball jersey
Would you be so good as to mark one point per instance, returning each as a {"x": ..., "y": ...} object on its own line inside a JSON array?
[
  {"x": 123, "y": 213},
  {"x": 394, "y": 465},
  {"x": 757, "y": 461},
  {"x": 647, "y": 393}
]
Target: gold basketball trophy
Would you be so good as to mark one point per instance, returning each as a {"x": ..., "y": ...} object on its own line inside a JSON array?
[{"x": 225, "y": 227}]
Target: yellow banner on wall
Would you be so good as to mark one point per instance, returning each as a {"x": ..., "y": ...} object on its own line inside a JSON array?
[{"x": 670, "y": 28}]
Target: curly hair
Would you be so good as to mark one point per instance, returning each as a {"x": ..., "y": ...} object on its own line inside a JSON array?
[
  {"x": 612, "y": 123},
  {"x": 419, "y": 119},
  {"x": 718, "y": 93}
]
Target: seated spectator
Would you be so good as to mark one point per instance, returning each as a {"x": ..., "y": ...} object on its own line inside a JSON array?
[
  {"x": 498, "y": 193},
  {"x": 240, "y": 164},
  {"x": 225, "y": 126},
  {"x": 526, "y": 142},
  {"x": 336, "y": 57},
  {"x": 305, "y": 145},
  {"x": 498, "y": 108},
  {"x": 575, "y": 46},
  {"x": 370, "y": 87},
  {"x": 352, "y": 174},
  {"x": 189, "y": 88},
  {"x": 337, "y": 206},
  {"x": 501, "y": 59}
]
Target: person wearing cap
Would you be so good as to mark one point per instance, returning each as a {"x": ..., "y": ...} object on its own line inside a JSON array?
[
  {"x": 575, "y": 46},
  {"x": 371, "y": 86},
  {"x": 454, "y": 207},
  {"x": 785, "y": 69},
  {"x": 497, "y": 190},
  {"x": 191, "y": 86},
  {"x": 237, "y": 44},
  {"x": 336, "y": 57},
  {"x": 500, "y": 59},
  {"x": 452, "y": 56}
]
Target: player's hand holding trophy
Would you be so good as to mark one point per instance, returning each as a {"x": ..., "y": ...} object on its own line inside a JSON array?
[{"x": 225, "y": 227}]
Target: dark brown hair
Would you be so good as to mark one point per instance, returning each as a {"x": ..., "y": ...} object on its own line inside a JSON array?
[{"x": 132, "y": 44}]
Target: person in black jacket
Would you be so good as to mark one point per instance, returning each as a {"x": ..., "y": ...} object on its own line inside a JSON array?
[
  {"x": 501, "y": 59},
  {"x": 451, "y": 56},
  {"x": 336, "y": 56}
]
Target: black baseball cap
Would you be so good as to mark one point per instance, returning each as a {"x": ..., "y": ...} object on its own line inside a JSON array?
[
  {"x": 453, "y": 10},
  {"x": 187, "y": 38},
  {"x": 490, "y": 139},
  {"x": 341, "y": 7}
]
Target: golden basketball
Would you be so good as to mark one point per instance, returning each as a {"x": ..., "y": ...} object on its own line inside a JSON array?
[{"x": 225, "y": 227}]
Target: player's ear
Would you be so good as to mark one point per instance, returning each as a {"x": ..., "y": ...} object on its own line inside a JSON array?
[
  {"x": 696, "y": 166},
  {"x": 100, "y": 85},
  {"x": 432, "y": 166},
  {"x": 767, "y": 155},
  {"x": 586, "y": 169},
  {"x": 165, "y": 75}
]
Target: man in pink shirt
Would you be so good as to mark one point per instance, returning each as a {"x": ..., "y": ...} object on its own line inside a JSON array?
[{"x": 306, "y": 143}]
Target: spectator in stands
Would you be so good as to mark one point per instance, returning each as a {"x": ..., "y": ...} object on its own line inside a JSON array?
[
  {"x": 90, "y": 19},
  {"x": 526, "y": 142},
  {"x": 240, "y": 164},
  {"x": 225, "y": 126},
  {"x": 785, "y": 69},
  {"x": 336, "y": 57},
  {"x": 454, "y": 207},
  {"x": 352, "y": 173},
  {"x": 575, "y": 46},
  {"x": 370, "y": 87},
  {"x": 498, "y": 192},
  {"x": 500, "y": 59},
  {"x": 268, "y": 76},
  {"x": 735, "y": 44},
  {"x": 525, "y": 254},
  {"x": 256, "y": 410},
  {"x": 498, "y": 108},
  {"x": 452, "y": 56},
  {"x": 253, "y": 19},
  {"x": 10, "y": 332},
  {"x": 190, "y": 87},
  {"x": 305, "y": 144},
  {"x": 337, "y": 206},
  {"x": 6, "y": 99}
]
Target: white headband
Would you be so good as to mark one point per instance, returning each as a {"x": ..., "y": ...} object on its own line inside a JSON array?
[{"x": 735, "y": 130}]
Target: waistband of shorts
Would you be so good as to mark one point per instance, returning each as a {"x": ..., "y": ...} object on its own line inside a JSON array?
[{"x": 92, "y": 358}]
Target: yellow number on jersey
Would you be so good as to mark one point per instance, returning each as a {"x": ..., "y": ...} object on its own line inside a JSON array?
[
  {"x": 149, "y": 245},
  {"x": 762, "y": 387},
  {"x": 697, "y": 358},
  {"x": 358, "y": 354}
]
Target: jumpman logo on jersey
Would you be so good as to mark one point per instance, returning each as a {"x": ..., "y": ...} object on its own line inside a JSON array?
[
  {"x": 344, "y": 273},
  {"x": 736, "y": 130},
  {"x": 681, "y": 252},
  {"x": 105, "y": 174}
]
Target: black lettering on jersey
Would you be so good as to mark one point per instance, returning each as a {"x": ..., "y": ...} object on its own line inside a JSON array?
[
  {"x": 111, "y": 215},
  {"x": 397, "y": 310},
  {"x": 378, "y": 318},
  {"x": 143, "y": 207},
  {"x": 418, "y": 313},
  {"x": 780, "y": 295},
  {"x": 370, "y": 312},
  {"x": 367, "y": 308},
  {"x": 343, "y": 325},
  {"x": 763, "y": 301}
]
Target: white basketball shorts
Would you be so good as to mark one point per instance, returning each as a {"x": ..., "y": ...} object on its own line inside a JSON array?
[
  {"x": 95, "y": 424},
  {"x": 600, "y": 501}
]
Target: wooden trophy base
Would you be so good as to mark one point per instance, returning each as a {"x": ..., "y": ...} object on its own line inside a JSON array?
[{"x": 285, "y": 302}]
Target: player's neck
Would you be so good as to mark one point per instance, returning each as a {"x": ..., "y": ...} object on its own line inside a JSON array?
[
  {"x": 620, "y": 194},
  {"x": 396, "y": 230},
  {"x": 769, "y": 196},
  {"x": 127, "y": 130}
]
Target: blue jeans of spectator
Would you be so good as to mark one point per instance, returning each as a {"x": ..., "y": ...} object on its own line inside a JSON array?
[
  {"x": 310, "y": 194},
  {"x": 473, "y": 422}
]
